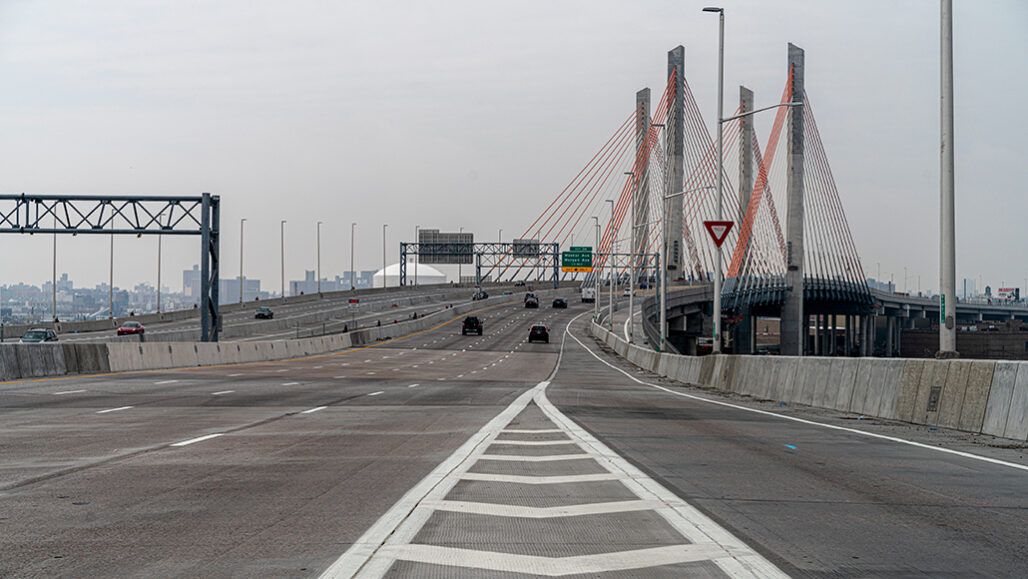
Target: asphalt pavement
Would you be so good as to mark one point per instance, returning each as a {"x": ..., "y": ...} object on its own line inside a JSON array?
[{"x": 480, "y": 456}]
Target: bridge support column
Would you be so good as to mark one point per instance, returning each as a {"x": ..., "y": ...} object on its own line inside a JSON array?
[
  {"x": 847, "y": 342},
  {"x": 865, "y": 349},
  {"x": 676, "y": 162},
  {"x": 833, "y": 347},
  {"x": 890, "y": 332},
  {"x": 792, "y": 309},
  {"x": 641, "y": 208},
  {"x": 817, "y": 334}
]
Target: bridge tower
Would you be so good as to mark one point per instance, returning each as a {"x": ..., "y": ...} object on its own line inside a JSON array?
[
  {"x": 794, "y": 324},
  {"x": 642, "y": 182},
  {"x": 676, "y": 161},
  {"x": 744, "y": 340}
]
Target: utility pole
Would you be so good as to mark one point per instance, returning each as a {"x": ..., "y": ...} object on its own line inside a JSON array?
[
  {"x": 282, "y": 238},
  {"x": 319, "y": 258},
  {"x": 241, "y": 222},
  {"x": 947, "y": 227}
]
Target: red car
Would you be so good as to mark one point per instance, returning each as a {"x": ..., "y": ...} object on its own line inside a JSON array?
[{"x": 131, "y": 328}]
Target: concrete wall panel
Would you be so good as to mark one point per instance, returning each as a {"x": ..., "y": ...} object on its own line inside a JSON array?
[
  {"x": 844, "y": 389},
  {"x": 887, "y": 403},
  {"x": 933, "y": 376},
  {"x": 952, "y": 399},
  {"x": 976, "y": 398},
  {"x": 1017, "y": 419},
  {"x": 860, "y": 384},
  {"x": 1001, "y": 394},
  {"x": 906, "y": 397}
]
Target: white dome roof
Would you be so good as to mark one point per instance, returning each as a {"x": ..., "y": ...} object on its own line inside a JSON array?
[{"x": 426, "y": 275}]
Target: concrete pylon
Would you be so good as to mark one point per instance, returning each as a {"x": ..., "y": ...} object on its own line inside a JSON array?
[
  {"x": 676, "y": 160},
  {"x": 642, "y": 182},
  {"x": 744, "y": 342},
  {"x": 793, "y": 335}
]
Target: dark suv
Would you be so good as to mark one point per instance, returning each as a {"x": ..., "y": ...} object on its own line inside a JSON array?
[
  {"x": 539, "y": 332},
  {"x": 472, "y": 325},
  {"x": 531, "y": 303}
]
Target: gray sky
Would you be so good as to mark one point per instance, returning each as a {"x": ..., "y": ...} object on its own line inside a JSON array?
[{"x": 476, "y": 114}]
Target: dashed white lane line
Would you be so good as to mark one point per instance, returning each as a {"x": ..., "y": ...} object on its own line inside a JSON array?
[
  {"x": 197, "y": 439},
  {"x": 313, "y": 410},
  {"x": 222, "y": 392},
  {"x": 165, "y": 382},
  {"x": 290, "y": 384},
  {"x": 377, "y": 393},
  {"x": 113, "y": 409},
  {"x": 68, "y": 392},
  {"x": 234, "y": 375},
  {"x": 338, "y": 377},
  {"x": 413, "y": 385}
]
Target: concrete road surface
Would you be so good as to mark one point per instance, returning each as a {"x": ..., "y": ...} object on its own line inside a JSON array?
[{"x": 467, "y": 456}]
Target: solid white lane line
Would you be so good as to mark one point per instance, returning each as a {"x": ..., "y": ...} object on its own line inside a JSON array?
[
  {"x": 435, "y": 485},
  {"x": 68, "y": 392},
  {"x": 113, "y": 409},
  {"x": 222, "y": 392},
  {"x": 165, "y": 382},
  {"x": 810, "y": 422},
  {"x": 377, "y": 393},
  {"x": 312, "y": 410},
  {"x": 197, "y": 439}
]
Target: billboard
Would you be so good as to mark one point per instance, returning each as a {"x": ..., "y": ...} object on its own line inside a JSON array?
[
  {"x": 1008, "y": 293},
  {"x": 435, "y": 247}
]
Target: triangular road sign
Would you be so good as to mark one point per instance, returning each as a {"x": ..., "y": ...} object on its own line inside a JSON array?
[{"x": 718, "y": 230}]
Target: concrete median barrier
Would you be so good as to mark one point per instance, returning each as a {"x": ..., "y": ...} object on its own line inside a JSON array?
[{"x": 1017, "y": 418}]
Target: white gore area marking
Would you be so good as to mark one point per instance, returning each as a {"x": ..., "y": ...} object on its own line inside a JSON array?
[
  {"x": 113, "y": 409},
  {"x": 222, "y": 392},
  {"x": 313, "y": 410},
  {"x": 197, "y": 439},
  {"x": 390, "y": 538},
  {"x": 377, "y": 393},
  {"x": 68, "y": 392}
]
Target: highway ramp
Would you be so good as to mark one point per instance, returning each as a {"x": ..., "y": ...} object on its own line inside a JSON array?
[{"x": 300, "y": 468}]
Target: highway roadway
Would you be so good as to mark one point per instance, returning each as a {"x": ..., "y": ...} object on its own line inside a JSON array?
[{"x": 483, "y": 456}]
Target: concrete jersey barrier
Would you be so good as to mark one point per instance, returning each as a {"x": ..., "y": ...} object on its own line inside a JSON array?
[{"x": 980, "y": 396}]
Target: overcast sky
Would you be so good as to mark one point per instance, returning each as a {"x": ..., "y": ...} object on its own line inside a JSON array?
[{"x": 476, "y": 114}]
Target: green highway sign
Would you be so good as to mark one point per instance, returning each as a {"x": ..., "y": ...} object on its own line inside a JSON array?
[{"x": 579, "y": 259}]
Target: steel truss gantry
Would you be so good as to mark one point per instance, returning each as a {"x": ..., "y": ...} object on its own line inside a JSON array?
[
  {"x": 128, "y": 215},
  {"x": 495, "y": 256}
]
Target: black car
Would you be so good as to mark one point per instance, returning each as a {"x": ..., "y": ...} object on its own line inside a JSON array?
[
  {"x": 519, "y": 283},
  {"x": 264, "y": 314},
  {"x": 479, "y": 295},
  {"x": 531, "y": 303},
  {"x": 539, "y": 332},
  {"x": 560, "y": 303},
  {"x": 531, "y": 295},
  {"x": 36, "y": 335},
  {"x": 471, "y": 325}
]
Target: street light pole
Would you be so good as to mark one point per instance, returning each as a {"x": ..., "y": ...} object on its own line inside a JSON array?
[
  {"x": 720, "y": 170},
  {"x": 610, "y": 251},
  {"x": 241, "y": 222},
  {"x": 384, "y": 284},
  {"x": 948, "y": 267},
  {"x": 596, "y": 274},
  {"x": 319, "y": 258},
  {"x": 110, "y": 290},
  {"x": 353, "y": 282},
  {"x": 459, "y": 264},
  {"x": 159, "y": 238},
  {"x": 417, "y": 256},
  {"x": 282, "y": 238},
  {"x": 631, "y": 254}
]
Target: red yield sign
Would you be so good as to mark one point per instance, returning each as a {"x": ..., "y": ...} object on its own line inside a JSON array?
[{"x": 718, "y": 230}]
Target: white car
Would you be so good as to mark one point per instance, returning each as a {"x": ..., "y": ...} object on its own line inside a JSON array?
[{"x": 627, "y": 292}]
